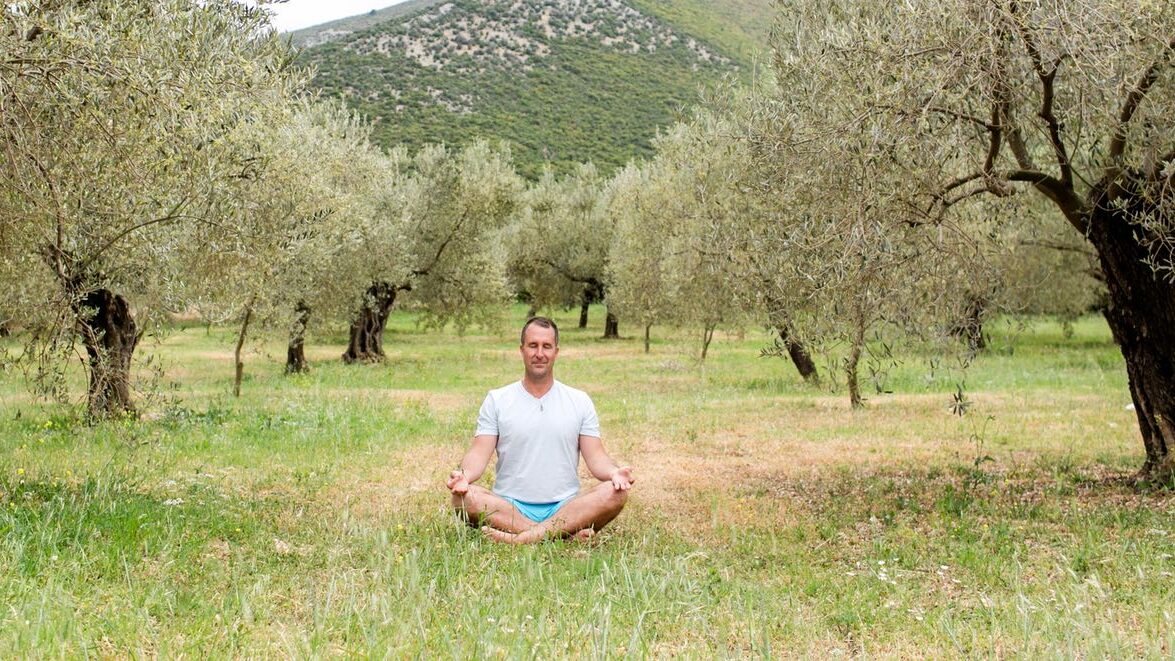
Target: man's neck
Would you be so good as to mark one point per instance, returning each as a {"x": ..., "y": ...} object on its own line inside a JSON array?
[{"x": 538, "y": 388}]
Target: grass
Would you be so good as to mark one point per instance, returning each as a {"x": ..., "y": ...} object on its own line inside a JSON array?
[{"x": 308, "y": 518}]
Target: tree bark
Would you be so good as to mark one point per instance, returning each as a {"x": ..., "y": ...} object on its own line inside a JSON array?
[
  {"x": 296, "y": 352},
  {"x": 611, "y": 327},
  {"x": 707, "y": 338},
  {"x": 647, "y": 327},
  {"x": 110, "y": 336},
  {"x": 1141, "y": 316},
  {"x": 799, "y": 355},
  {"x": 852, "y": 362},
  {"x": 583, "y": 311},
  {"x": 970, "y": 327},
  {"x": 240, "y": 364},
  {"x": 366, "y": 345}
]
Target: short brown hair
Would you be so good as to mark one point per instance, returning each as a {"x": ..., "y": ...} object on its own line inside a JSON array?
[{"x": 541, "y": 322}]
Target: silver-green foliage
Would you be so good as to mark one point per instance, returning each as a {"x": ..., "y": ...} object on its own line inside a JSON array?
[
  {"x": 674, "y": 258},
  {"x": 559, "y": 247},
  {"x": 119, "y": 122},
  {"x": 452, "y": 209},
  {"x": 294, "y": 220}
]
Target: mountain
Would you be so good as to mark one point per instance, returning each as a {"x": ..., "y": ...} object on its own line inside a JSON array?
[{"x": 563, "y": 81}]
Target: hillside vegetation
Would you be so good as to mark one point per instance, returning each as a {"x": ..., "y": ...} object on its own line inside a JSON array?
[{"x": 562, "y": 81}]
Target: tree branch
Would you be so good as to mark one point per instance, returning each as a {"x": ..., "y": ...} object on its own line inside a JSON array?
[
  {"x": 979, "y": 190},
  {"x": 1048, "y": 96},
  {"x": 1058, "y": 246},
  {"x": 441, "y": 248},
  {"x": 961, "y": 181},
  {"x": 951, "y": 113},
  {"x": 174, "y": 214},
  {"x": 1001, "y": 111},
  {"x": 568, "y": 274},
  {"x": 1134, "y": 100},
  {"x": 1061, "y": 194},
  {"x": 995, "y": 139}
]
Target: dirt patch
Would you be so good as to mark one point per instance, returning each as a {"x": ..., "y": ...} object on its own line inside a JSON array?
[
  {"x": 765, "y": 466},
  {"x": 408, "y": 476}
]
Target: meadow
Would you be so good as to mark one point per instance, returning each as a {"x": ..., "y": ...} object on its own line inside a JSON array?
[{"x": 309, "y": 518}]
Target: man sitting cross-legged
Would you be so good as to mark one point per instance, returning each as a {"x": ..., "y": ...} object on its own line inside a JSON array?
[{"x": 539, "y": 427}]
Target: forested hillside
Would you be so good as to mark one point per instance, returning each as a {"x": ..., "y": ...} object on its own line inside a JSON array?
[{"x": 563, "y": 81}]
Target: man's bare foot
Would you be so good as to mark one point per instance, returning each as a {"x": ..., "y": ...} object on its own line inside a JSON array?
[
  {"x": 527, "y": 538},
  {"x": 501, "y": 536}
]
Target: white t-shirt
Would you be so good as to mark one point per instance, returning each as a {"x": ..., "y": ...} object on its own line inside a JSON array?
[{"x": 538, "y": 440}]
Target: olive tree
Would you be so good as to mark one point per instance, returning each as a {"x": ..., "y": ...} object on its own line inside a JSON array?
[
  {"x": 116, "y": 119},
  {"x": 436, "y": 237},
  {"x": 636, "y": 269},
  {"x": 1071, "y": 101},
  {"x": 295, "y": 217},
  {"x": 326, "y": 265},
  {"x": 559, "y": 246},
  {"x": 801, "y": 230},
  {"x": 673, "y": 254},
  {"x": 1036, "y": 265},
  {"x": 831, "y": 259}
]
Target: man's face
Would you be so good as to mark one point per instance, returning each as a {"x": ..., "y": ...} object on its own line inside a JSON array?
[{"x": 538, "y": 351}]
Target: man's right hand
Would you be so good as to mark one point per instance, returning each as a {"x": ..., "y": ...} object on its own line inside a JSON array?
[{"x": 457, "y": 483}]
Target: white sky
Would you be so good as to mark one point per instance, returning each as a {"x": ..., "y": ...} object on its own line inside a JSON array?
[{"x": 297, "y": 14}]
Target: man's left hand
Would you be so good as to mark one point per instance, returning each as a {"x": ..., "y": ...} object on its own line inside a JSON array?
[
  {"x": 457, "y": 483},
  {"x": 622, "y": 478}
]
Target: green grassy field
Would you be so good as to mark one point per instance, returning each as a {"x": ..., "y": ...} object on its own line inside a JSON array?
[{"x": 309, "y": 517}]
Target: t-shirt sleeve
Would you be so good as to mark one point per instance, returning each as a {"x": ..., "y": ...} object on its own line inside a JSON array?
[
  {"x": 590, "y": 425},
  {"x": 487, "y": 418}
]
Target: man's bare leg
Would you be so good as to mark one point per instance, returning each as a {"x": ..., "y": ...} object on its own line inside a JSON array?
[
  {"x": 589, "y": 512},
  {"x": 480, "y": 506}
]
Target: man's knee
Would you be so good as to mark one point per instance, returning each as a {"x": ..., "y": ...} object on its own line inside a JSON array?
[
  {"x": 615, "y": 498},
  {"x": 471, "y": 504},
  {"x": 611, "y": 492}
]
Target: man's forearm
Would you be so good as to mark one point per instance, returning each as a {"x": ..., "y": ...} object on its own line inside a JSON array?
[
  {"x": 474, "y": 463},
  {"x": 472, "y": 469},
  {"x": 603, "y": 468}
]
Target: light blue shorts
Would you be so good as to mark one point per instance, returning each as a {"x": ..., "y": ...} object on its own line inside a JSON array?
[{"x": 538, "y": 512}]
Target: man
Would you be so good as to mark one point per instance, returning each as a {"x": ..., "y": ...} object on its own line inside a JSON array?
[{"x": 539, "y": 427}]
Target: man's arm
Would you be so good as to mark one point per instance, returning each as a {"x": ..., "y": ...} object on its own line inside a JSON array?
[
  {"x": 602, "y": 466},
  {"x": 473, "y": 465}
]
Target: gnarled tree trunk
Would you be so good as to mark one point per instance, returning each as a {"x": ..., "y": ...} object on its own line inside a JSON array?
[
  {"x": 970, "y": 327},
  {"x": 611, "y": 327},
  {"x": 110, "y": 336},
  {"x": 296, "y": 352},
  {"x": 647, "y": 327},
  {"x": 366, "y": 345},
  {"x": 799, "y": 354},
  {"x": 593, "y": 292},
  {"x": 1141, "y": 316},
  {"x": 778, "y": 319}
]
